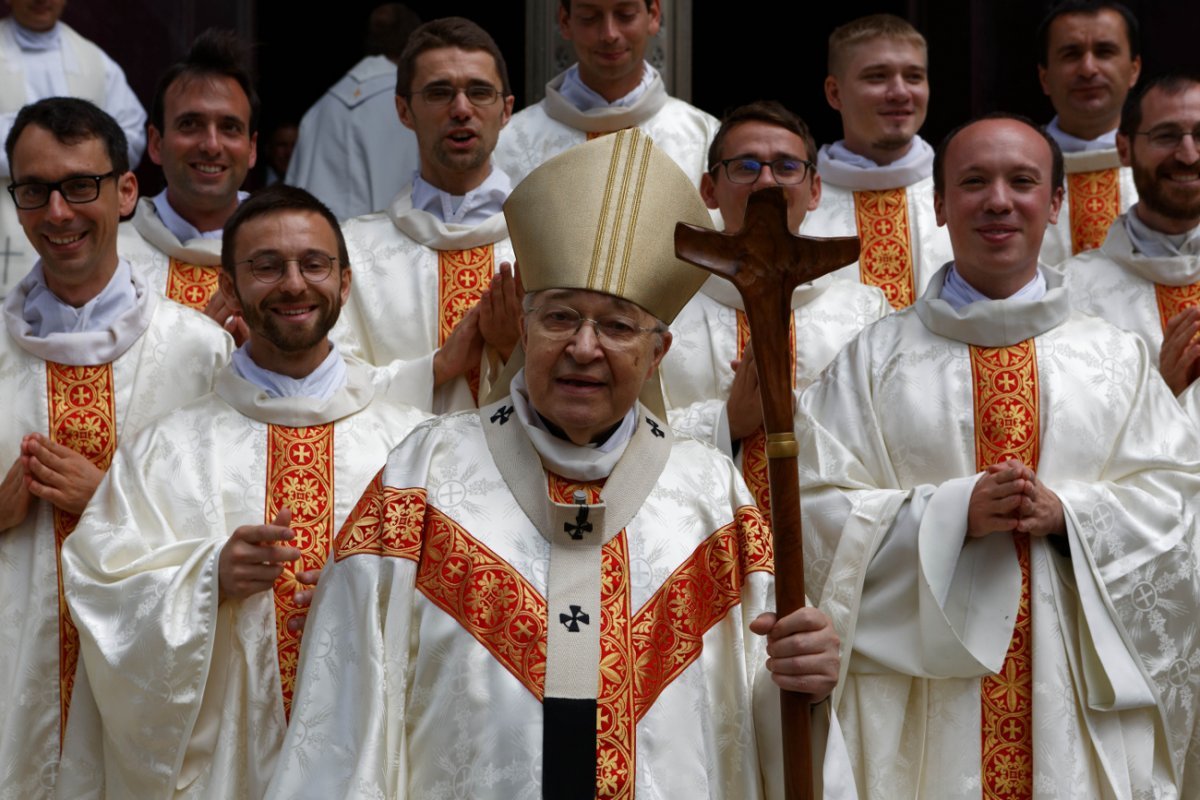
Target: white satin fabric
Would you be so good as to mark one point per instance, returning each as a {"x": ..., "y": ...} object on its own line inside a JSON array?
[
  {"x": 1056, "y": 247},
  {"x": 393, "y": 308},
  {"x": 887, "y": 439},
  {"x": 188, "y": 685},
  {"x": 553, "y": 124},
  {"x": 398, "y": 700},
  {"x": 147, "y": 243},
  {"x": 162, "y": 356},
  {"x": 696, "y": 374}
]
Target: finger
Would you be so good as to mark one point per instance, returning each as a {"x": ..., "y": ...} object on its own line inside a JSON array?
[
  {"x": 805, "y": 620},
  {"x": 763, "y": 623},
  {"x": 308, "y": 577},
  {"x": 259, "y": 534},
  {"x": 44, "y": 474},
  {"x": 296, "y": 624},
  {"x": 275, "y": 554},
  {"x": 303, "y": 597},
  {"x": 284, "y": 517},
  {"x": 518, "y": 284},
  {"x": 259, "y": 576}
]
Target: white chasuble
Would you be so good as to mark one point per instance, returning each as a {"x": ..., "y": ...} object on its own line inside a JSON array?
[
  {"x": 1137, "y": 293},
  {"x": 448, "y": 616},
  {"x": 712, "y": 330},
  {"x": 1096, "y": 190},
  {"x": 186, "y": 272},
  {"x": 550, "y": 126},
  {"x": 890, "y": 209},
  {"x": 193, "y": 690},
  {"x": 414, "y": 278},
  {"x": 87, "y": 391},
  {"x": 925, "y": 613}
]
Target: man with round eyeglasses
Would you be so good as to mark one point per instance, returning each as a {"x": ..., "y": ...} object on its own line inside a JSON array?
[
  {"x": 191, "y": 573},
  {"x": 1145, "y": 277},
  {"x": 554, "y": 595},
  {"x": 438, "y": 257},
  {"x": 878, "y": 177},
  {"x": 709, "y": 380},
  {"x": 89, "y": 355}
]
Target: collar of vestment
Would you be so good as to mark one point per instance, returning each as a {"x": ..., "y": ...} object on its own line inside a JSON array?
[
  {"x": 837, "y": 166},
  {"x": 725, "y": 293},
  {"x": 585, "y": 98},
  {"x": 1176, "y": 257},
  {"x": 37, "y": 41},
  {"x": 1073, "y": 144},
  {"x": 180, "y": 228},
  {"x": 610, "y": 118},
  {"x": 296, "y": 412},
  {"x": 426, "y": 229},
  {"x": 993, "y": 323},
  {"x": 1091, "y": 161},
  {"x": 320, "y": 384},
  {"x": 628, "y": 484},
  {"x": 958, "y": 293},
  {"x": 46, "y": 313},
  {"x": 147, "y": 222},
  {"x": 86, "y": 348},
  {"x": 473, "y": 208}
]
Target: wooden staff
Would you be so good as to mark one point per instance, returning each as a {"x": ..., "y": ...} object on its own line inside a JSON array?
[{"x": 766, "y": 262}]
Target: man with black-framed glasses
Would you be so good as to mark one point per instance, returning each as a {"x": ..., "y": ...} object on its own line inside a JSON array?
[
  {"x": 1145, "y": 277},
  {"x": 89, "y": 355},
  {"x": 228, "y": 508},
  {"x": 438, "y": 256},
  {"x": 709, "y": 381}
]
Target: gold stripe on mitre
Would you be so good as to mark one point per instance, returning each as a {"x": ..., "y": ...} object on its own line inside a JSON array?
[{"x": 601, "y": 217}]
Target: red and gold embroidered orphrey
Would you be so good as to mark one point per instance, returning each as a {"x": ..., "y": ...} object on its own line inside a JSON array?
[
  {"x": 192, "y": 285},
  {"x": 1007, "y": 425},
  {"x": 754, "y": 446},
  {"x": 1173, "y": 299},
  {"x": 640, "y": 654},
  {"x": 299, "y": 477},
  {"x": 463, "y": 275},
  {"x": 1095, "y": 201},
  {"x": 886, "y": 258},
  {"x": 82, "y": 417}
]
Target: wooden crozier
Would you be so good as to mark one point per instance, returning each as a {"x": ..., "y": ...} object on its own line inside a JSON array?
[{"x": 766, "y": 262}]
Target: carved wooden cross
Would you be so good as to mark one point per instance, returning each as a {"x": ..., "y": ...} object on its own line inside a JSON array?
[{"x": 766, "y": 262}]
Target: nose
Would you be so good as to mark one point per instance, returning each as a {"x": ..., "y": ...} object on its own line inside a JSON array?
[
  {"x": 1188, "y": 150},
  {"x": 766, "y": 177},
  {"x": 896, "y": 88},
  {"x": 1087, "y": 64},
  {"x": 608, "y": 28},
  {"x": 292, "y": 281},
  {"x": 57, "y": 208},
  {"x": 999, "y": 197},
  {"x": 210, "y": 141},
  {"x": 584, "y": 346},
  {"x": 460, "y": 106}
]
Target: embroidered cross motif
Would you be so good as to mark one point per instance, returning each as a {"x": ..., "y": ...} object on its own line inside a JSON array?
[
  {"x": 573, "y": 619},
  {"x": 657, "y": 431},
  {"x": 502, "y": 414},
  {"x": 581, "y": 525}
]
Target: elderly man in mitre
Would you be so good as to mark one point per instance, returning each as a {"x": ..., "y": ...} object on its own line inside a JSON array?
[{"x": 553, "y": 595}]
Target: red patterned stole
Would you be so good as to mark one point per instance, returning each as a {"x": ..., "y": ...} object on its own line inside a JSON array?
[
  {"x": 886, "y": 258},
  {"x": 300, "y": 477},
  {"x": 1007, "y": 425},
  {"x": 754, "y": 446},
  {"x": 463, "y": 275},
  {"x": 641, "y": 653},
  {"x": 82, "y": 417},
  {"x": 1095, "y": 201},
  {"x": 1173, "y": 299},
  {"x": 192, "y": 285}
]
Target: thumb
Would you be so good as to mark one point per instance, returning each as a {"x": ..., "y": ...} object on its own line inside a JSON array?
[
  {"x": 283, "y": 518},
  {"x": 763, "y": 623}
]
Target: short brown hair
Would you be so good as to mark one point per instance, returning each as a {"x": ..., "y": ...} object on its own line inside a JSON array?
[
  {"x": 276, "y": 199},
  {"x": 771, "y": 112},
  {"x": 566, "y": 5},
  {"x": 214, "y": 54},
  {"x": 448, "y": 32},
  {"x": 1170, "y": 84},
  {"x": 939, "y": 155},
  {"x": 864, "y": 29}
]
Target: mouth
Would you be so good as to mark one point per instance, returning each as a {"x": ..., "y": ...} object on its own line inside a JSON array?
[
  {"x": 206, "y": 168},
  {"x": 462, "y": 138},
  {"x": 1182, "y": 177},
  {"x": 579, "y": 384},
  {"x": 65, "y": 241},
  {"x": 996, "y": 234},
  {"x": 294, "y": 312}
]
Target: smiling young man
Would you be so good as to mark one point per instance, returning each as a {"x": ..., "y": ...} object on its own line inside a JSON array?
[
  {"x": 1001, "y": 523},
  {"x": 522, "y": 577},
  {"x": 1145, "y": 278},
  {"x": 44, "y": 57},
  {"x": 188, "y": 575},
  {"x": 426, "y": 264},
  {"x": 204, "y": 135},
  {"x": 611, "y": 87},
  {"x": 709, "y": 380},
  {"x": 876, "y": 179},
  {"x": 1088, "y": 60},
  {"x": 89, "y": 355}
]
